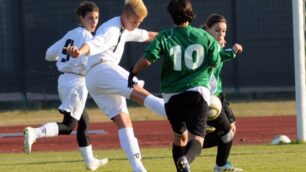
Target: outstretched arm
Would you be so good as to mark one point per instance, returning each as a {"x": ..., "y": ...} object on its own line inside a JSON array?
[
  {"x": 141, "y": 64},
  {"x": 151, "y": 36}
]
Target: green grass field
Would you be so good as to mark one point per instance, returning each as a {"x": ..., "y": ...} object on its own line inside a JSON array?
[
  {"x": 262, "y": 158},
  {"x": 252, "y": 158}
]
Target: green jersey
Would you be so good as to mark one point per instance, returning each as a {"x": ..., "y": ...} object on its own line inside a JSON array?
[
  {"x": 215, "y": 80},
  {"x": 189, "y": 56}
]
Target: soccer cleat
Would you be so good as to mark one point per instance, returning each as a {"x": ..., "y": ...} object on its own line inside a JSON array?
[
  {"x": 183, "y": 165},
  {"x": 96, "y": 163},
  {"x": 228, "y": 167},
  {"x": 29, "y": 137},
  {"x": 140, "y": 170}
]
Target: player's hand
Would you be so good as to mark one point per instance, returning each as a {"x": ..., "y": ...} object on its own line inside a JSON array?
[
  {"x": 222, "y": 42},
  {"x": 131, "y": 83},
  {"x": 73, "y": 51},
  {"x": 237, "y": 48}
]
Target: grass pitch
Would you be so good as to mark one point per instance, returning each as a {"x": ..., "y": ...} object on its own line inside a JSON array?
[
  {"x": 258, "y": 158},
  {"x": 255, "y": 158}
]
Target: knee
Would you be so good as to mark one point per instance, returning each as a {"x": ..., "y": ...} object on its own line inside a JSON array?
[
  {"x": 180, "y": 139},
  {"x": 228, "y": 137},
  {"x": 67, "y": 126},
  {"x": 122, "y": 120}
]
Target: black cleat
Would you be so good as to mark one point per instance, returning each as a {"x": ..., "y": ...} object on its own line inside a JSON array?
[{"x": 183, "y": 165}]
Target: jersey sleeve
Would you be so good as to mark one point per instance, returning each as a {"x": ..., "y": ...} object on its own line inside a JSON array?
[
  {"x": 51, "y": 54},
  {"x": 227, "y": 54},
  {"x": 154, "y": 50},
  {"x": 100, "y": 42},
  {"x": 138, "y": 35},
  {"x": 213, "y": 51}
]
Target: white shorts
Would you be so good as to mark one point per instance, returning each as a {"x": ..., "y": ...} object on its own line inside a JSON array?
[
  {"x": 73, "y": 94},
  {"x": 107, "y": 85}
]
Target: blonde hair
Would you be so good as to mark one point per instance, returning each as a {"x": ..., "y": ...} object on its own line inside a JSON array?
[{"x": 136, "y": 7}]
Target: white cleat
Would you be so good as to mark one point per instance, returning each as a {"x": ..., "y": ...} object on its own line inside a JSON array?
[
  {"x": 228, "y": 167},
  {"x": 29, "y": 137},
  {"x": 96, "y": 163},
  {"x": 140, "y": 170}
]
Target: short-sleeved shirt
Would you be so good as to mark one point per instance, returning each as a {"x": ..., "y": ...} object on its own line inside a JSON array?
[
  {"x": 65, "y": 63},
  {"x": 108, "y": 43},
  {"x": 189, "y": 54}
]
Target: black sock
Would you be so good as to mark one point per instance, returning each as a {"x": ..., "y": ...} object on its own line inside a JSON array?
[
  {"x": 177, "y": 151},
  {"x": 211, "y": 140},
  {"x": 193, "y": 149},
  {"x": 223, "y": 152}
]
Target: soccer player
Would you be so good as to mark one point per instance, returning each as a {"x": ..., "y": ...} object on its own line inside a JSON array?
[
  {"x": 71, "y": 87},
  {"x": 106, "y": 80},
  {"x": 189, "y": 55},
  {"x": 224, "y": 125}
]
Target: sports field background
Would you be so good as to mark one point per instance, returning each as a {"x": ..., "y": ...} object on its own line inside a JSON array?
[
  {"x": 252, "y": 150},
  {"x": 262, "y": 80}
]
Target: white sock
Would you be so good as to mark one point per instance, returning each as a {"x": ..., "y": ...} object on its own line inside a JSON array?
[
  {"x": 87, "y": 153},
  {"x": 155, "y": 104},
  {"x": 131, "y": 148},
  {"x": 47, "y": 130}
]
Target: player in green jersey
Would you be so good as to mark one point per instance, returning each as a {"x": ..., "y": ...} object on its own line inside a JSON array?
[
  {"x": 189, "y": 56},
  {"x": 224, "y": 125}
]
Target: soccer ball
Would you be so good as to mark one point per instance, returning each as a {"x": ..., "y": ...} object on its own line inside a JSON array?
[
  {"x": 215, "y": 108},
  {"x": 280, "y": 139}
]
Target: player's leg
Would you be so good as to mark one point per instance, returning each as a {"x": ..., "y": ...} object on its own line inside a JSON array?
[
  {"x": 186, "y": 108},
  {"x": 114, "y": 106},
  {"x": 143, "y": 97},
  {"x": 223, "y": 136},
  {"x": 51, "y": 129},
  {"x": 119, "y": 86},
  {"x": 195, "y": 117},
  {"x": 128, "y": 141},
  {"x": 84, "y": 143}
]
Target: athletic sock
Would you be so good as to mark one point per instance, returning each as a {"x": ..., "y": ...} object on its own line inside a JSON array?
[
  {"x": 193, "y": 149},
  {"x": 155, "y": 104},
  {"x": 177, "y": 152},
  {"x": 211, "y": 140},
  {"x": 223, "y": 152},
  {"x": 48, "y": 130},
  {"x": 131, "y": 148},
  {"x": 87, "y": 153}
]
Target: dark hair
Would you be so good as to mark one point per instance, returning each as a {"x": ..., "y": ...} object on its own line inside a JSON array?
[
  {"x": 86, "y": 7},
  {"x": 181, "y": 11},
  {"x": 213, "y": 19}
]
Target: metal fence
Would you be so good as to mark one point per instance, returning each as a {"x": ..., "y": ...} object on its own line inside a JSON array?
[{"x": 263, "y": 27}]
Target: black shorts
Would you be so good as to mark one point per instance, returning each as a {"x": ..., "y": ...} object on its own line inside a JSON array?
[
  {"x": 226, "y": 108},
  {"x": 187, "y": 111},
  {"x": 221, "y": 124}
]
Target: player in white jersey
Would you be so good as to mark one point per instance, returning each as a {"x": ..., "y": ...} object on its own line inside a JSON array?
[
  {"x": 71, "y": 87},
  {"x": 107, "y": 81}
]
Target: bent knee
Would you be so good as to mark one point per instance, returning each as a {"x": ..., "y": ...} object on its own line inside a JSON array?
[{"x": 228, "y": 137}]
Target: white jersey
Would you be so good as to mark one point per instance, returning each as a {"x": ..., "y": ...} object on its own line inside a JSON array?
[
  {"x": 65, "y": 63},
  {"x": 71, "y": 84},
  {"x": 108, "y": 43}
]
